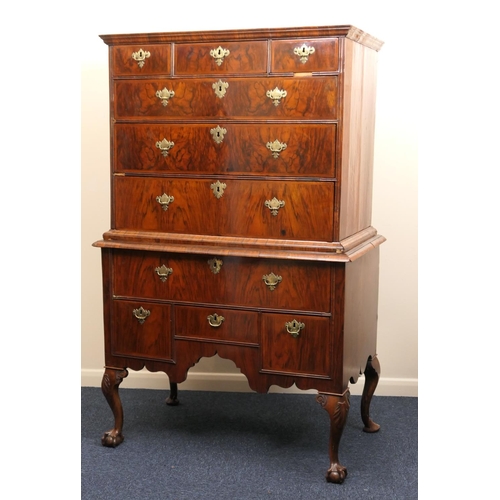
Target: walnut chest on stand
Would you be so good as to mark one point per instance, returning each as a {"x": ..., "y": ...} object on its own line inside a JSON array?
[{"x": 241, "y": 188}]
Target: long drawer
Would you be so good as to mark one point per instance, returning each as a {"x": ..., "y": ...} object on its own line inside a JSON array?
[
  {"x": 261, "y": 283},
  {"x": 255, "y": 149},
  {"x": 270, "y": 98},
  {"x": 225, "y": 207}
]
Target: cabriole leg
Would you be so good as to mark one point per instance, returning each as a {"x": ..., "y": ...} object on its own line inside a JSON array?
[
  {"x": 372, "y": 372},
  {"x": 337, "y": 407},
  {"x": 172, "y": 398},
  {"x": 111, "y": 379}
]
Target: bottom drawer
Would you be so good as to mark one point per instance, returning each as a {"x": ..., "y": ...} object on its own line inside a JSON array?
[
  {"x": 217, "y": 325},
  {"x": 141, "y": 330},
  {"x": 296, "y": 344}
]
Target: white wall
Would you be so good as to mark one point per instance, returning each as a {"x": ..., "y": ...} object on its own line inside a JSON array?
[{"x": 395, "y": 184}]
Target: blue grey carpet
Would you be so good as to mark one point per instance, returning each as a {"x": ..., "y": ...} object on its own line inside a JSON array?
[{"x": 239, "y": 446}]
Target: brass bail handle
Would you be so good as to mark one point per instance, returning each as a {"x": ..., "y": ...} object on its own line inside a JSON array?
[
  {"x": 163, "y": 272},
  {"x": 140, "y": 56},
  {"x": 215, "y": 320},
  {"x": 164, "y": 200},
  {"x": 141, "y": 314}
]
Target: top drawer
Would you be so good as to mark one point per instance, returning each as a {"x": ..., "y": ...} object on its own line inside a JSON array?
[
  {"x": 141, "y": 60},
  {"x": 225, "y": 58},
  {"x": 297, "y": 56}
]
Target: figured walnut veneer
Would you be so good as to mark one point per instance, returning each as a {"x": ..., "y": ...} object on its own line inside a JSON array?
[{"x": 241, "y": 180}]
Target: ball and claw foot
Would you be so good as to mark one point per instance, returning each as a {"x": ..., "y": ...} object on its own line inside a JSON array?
[
  {"x": 112, "y": 439},
  {"x": 336, "y": 474}
]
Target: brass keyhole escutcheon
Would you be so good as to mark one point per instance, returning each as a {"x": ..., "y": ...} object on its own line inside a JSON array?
[
  {"x": 294, "y": 327},
  {"x": 218, "y": 189},
  {"x": 220, "y": 88},
  {"x": 218, "y": 134},
  {"x": 215, "y": 265}
]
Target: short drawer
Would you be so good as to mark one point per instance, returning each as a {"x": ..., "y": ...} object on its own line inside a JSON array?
[
  {"x": 217, "y": 325},
  {"x": 220, "y": 58},
  {"x": 262, "y": 283},
  {"x": 225, "y": 207},
  {"x": 296, "y": 344},
  {"x": 274, "y": 98},
  {"x": 251, "y": 149},
  {"x": 141, "y": 330},
  {"x": 305, "y": 55},
  {"x": 141, "y": 60}
]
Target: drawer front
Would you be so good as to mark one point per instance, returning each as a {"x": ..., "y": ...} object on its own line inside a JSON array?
[
  {"x": 141, "y": 329},
  {"x": 217, "y": 325},
  {"x": 225, "y": 207},
  {"x": 220, "y": 58},
  {"x": 223, "y": 280},
  {"x": 304, "y": 351},
  {"x": 304, "y": 55},
  {"x": 141, "y": 60},
  {"x": 273, "y": 98},
  {"x": 253, "y": 149}
]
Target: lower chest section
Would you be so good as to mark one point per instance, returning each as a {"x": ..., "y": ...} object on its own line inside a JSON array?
[{"x": 280, "y": 312}]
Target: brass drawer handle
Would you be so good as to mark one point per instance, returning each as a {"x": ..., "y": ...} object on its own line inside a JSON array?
[
  {"x": 274, "y": 205},
  {"x": 218, "y": 54},
  {"x": 303, "y": 52},
  {"x": 215, "y": 265},
  {"x": 276, "y": 147},
  {"x": 293, "y": 327},
  {"x": 276, "y": 95},
  {"x": 218, "y": 134},
  {"x": 164, "y": 200},
  {"x": 220, "y": 88},
  {"x": 140, "y": 56},
  {"x": 164, "y": 272},
  {"x": 215, "y": 320},
  {"x": 141, "y": 314},
  {"x": 271, "y": 280},
  {"x": 164, "y": 95},
  {"x": 164, "y": 146}
]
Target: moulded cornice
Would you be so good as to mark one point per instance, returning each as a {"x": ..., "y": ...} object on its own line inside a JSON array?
[{"x": 346, "y": 31}]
